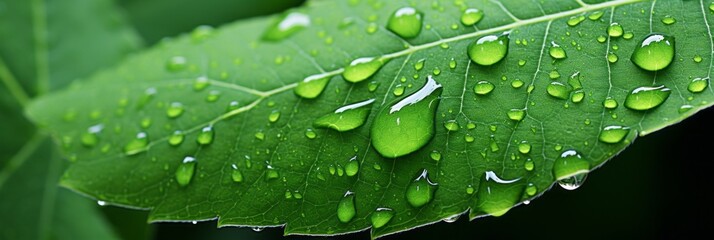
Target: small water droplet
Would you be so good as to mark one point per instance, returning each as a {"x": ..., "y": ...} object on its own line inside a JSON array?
[
  {"x": 655, "y": 52},
  {"x": 137, "y": 144},
  {"x": 628, "y": 35},
  {"x": 610, "y": 103},
  {"x": 471, "y": 16},
  {"x": 346, "y": 209},
  {"x": 645, "y": 98},
  {"x": 556, "y": 51},
  {"x": 419, "y": 65},
  {"x": 176, "y": 138},
  {"x": 260, "y": 136},
  {"x": 312, "y": 86},
  {"x": 201, "y": 33},
  {"x": 233, "y": 105},
  {"x": 398, "y": 91},
  {"x": 257, "y": 229},
  {"x": 185, "y": 171},
  {"x": 408, "y": 121},
  {"x": 577, "y": 96},
  {"x": 285, "y": 26},
  {"x": 236, "y": 174},
  {"x": 421, "y": 190},
  {"x": 698, "y": 85},
  {"x": 524, "y": 147},
  {"x": 668, "y": 20},
  {"x": 176, "y": 63},
  {"x": 452, "y": 63},
  {"x": 575, "y": 20},
  {"x": 381, "y": 216},
  {"x": 573, "y": 182},
  {"x": 372, "y": 86},
  {"x": 309, "y": 133},
  {"x": 452, "y": 125},
  {"x": 435, "y": 155},
  {"x": 436, "y": 71},
  {"x": 347, "y": 117},
  {"x": 612, "y": 58},
  {"x": 483, "y": 87},
  {"x": 685, "y": 108},
  {"x": 468, "y": 138},
  {"x": 213, "y": 96},
  {"x": 615, "y": 30},
  {"x": 697, "y": 58},
  {"x": 201, "y": 83},
  {"x": 516, "y": 114},
  {"x": 488, "y": 50},
  {"x": 274, "y": 116},
  {"x": 529, "y": 165},
  {"x": 205, "y": 137},
  {"x": 352, "y": 167},
  {"x": 596, "y": 15},
  {"x": 613, "y": 134},
  {"x": 362, "y": 68},
  {"x": 494, "y": 145},
  {"x": 558, "y": 90},
  {"x": 174, "y": 110},
  {"x": 570, "y": 165},
  {"x": 452, "y": 218},
  {"x": 405, "y": 22},
  {"x": 517, "y": 83}
]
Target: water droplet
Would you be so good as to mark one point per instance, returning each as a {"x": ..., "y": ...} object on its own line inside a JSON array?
[
  {"x": 405, "y": 22},
  {"x": 698, "y": 85},
  {"x": 205, "y": 137},
  {"x": 399, "y": 90},
  {"x": 697, "y": 58},
  {"x": 610, "y": 103},
  {"x": 483, "y": 87},
  {"x": 274, "y": 116},
  {"x": 685, "y": 108},
  {"x": 554, "y": 74},
  {"x": 615, "y": 30},
  {"x": 184, "y": 173},
  {"x": 286, "y": 26},
  {"x": 655, "y": 52},
  {"x": 471, "y": 16},
  {"x": 257, "y": 229},
  {"x": 312, "y": 86},
  {"x": 517, "y": 83},
  {"x": 421, "y": 190},
  {"x": 201, "y": 83},
  {"x": 381, "y": 217},
  {"x": 435, "y": 155},
  {"x": 451, "y": 125},
  {"x": 488, "y": 50},
  {"x": 469, "y": 138},
  {"x": 556, "y": 51},
  {"x": 494, "y": 145},
  {"x": 612, "y": 58},
  {"x": 522, "y": 62},
  {"x": 669, "y": 20},
  {"x": 419, "y": 65},
  {"x": 529, "y": 165},
  {"x": 233, "y": 105},
  {"x": 573, "y": 182},
  {"x": 452, "y": 63},
  {"x": 91, "y": 138},
  {"x": 346, "y": 207},
  {"x": 452, "y": 218},
  {"x": 436, "y": 71},
  {"x": 346, "y": 117},
  {"x": 213, "y": 96},
  {"x": 645, "y": 98},
  {"x": 496, "y": 195},
  {"x": 175, "y": 109},
  {"x": 176, "y": 138},
  {"x": 372, "y": 86},
  {"x": 524, "y": 147},
  {"x": 352, "y": 167},
  {"x": 570, "y": 164},
  {"x": 558, "y": 90},
  {"x": 362, "y": 68},
  {"x": 236, "y": 174},
  {"x": 408, "y": 121},
  {"x": 711, "y": 6},
  {"x": 577, "y": 96},
  {"x": 309, "y": 133},
  {"x": 596, "y": 15},
  {"x": 176, "y": 63},
  {"x": 271, "y": 173},
  {"x": 260, "y": 136},
  {"x": 628, "y": 35},
  {"x": 613, "y": 134},
  {"x": 137, "y": 144},
  {"x": 516, "y": 114}
]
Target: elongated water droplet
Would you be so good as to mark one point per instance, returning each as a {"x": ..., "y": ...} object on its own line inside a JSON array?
[
  {"x": 347, "y": 117},
  {"x": 615, "y": 30},
  {"x": 556, "y": 51},
  {"x": 362, "y": 68},
  {"x": 381, "y": 217},
  {"x": 312, "y": 86},
  {"x": 176, "y": 138},
  {"x": 698, "y": 85},
  {"x": 185, "y": 171},
  {"x": 205, "y": 137},
  {"x": 137, "y": 144},
  {"x": 483, "y": 87},
  {"x": 372, "y": 86},
  {"x": 405, "y": 22},
  {"x": 271, "y": 173},
  {"x": 558, "y": 90},
  {"x": 213, "y": 96},
  {"x": 407, "y": 124},
  {"x": 669, "y": 20},
  {"x": 435, "y": 155},
  {"x": 176, "y": 63},
  {"x": 452, "y": 125},
  {"x": 655, "y": 52},
  {"x": 497, "y": 195},
  {"x": 174, "y": 110},
  {"x": 596, "y": 15},
  {"x": 346, "y": 207},
  {"x": 575, "y": 20},
  {"x": 352, "y": 167},
  {"x": 570, "y": 164},
  {"x": 516, "y": 114},
  {"x": 613, "y": 134},
  {"x": 200, "y": 83},
  {"x": 236, "y": 174},
  {"x": 573, "y": 182},
  {"x": 488, "y": 50},
  {"x": 286, "y": 26},
  {"x": 421, "y": 190},
  {"x": 274, "y": 116},
  {"x": 646, "y": 98},
  {"x": 471, "y": 16},
  {"x": 452, "y": 63},
  {"x": 419, "y": 65}
]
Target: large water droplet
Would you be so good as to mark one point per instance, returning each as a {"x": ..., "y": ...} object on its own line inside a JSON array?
[
  {"x": 381, "y": 217},
  {"x": 698, "y": 85},
  {"x": 669, "y": 20},
  {"x": 570, "y": 164},
  {"x": 236, "y": 174},
  {"x": 496, "y": 195},
  {"x": 516, "y": 114},
  {"x": 488, "y": 50},
  {"x": 471, "y": 16},
  {"x": 205, "y": 137},
  {"x": 137, "y": 144},
  {"x": 312, "y": 86},
  {"x": 655, "y": 52},
  {"x": 405, "y": 22},
  {"x": 615, "y": 30},
  {"x": 362, "y": 68},
  {"x": 646, "y": 98},
  {"x": 346, "y": 207},
  {"x": 613, "y": 134},
  {"x": 610, "y": 103},
  {"x": 91, "y": 138},
  {"x": 421, "y": 190},
  {"x": 556, "y": 51},
  {"x": 346, "y": 117},
  {"x": 286, "y": 26},
  {"x": 407, "y": 124},
  {"x": 558, "y": 90},
  {"x": 184, "y": 173},
  {"x": 483, "y": 87}
]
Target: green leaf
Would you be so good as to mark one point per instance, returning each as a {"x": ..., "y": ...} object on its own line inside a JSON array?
[
  {"x": 208, "y": 127},
  {"x": 45, "y": 45}
]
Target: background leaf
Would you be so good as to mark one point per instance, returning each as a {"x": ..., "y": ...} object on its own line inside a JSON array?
[{"x": 501, "y": 116}]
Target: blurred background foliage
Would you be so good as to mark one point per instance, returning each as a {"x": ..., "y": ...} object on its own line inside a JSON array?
[{"x": 656, "y": 188}]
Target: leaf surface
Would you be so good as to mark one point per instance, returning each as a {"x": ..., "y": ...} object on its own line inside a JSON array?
[{"x": 250, "y": 154}]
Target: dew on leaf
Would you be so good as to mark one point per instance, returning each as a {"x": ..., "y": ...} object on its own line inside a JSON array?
[
  {"x": 596, "y": 15},
  {"x": 524, "y": 147},
  {"x": 529, "y": 165},
  {"x": 362, "y": 68},
  {"x": 655, "y": 52},
  {"x": 405, "y": 22},
  {"x": 575, "y": 20},
  {"x": 577, "y": 96},
  {"x": 610, "y": 103},
  {"x": 176, "y": 138},
  {"x": 488, "y": 50},
  {"x": 274, "y": 116},
  {"x": 137, "y": 144},
  {"x": 372, "y": 86},
  {"x": 236, "y": 174},
  {"x": 201, "y": 83},
  {"x": 174, "y": 110},
  {"x": 312, "y": 86},
  {"x": 471, "y": 16},
  {"x": 531, "y": 189},
  {"x": 628, "y": 35},
  {"x": 612, "y": 58},
  {"x": 347, "y": 117},
  {"x": 285, "y": 26},
  {"x": 517, "y": 83},
  {"x": 451, "y": 125},
  {"x": 645, "y": 98},
  {"x": 346, "y": 209},
  {"x": 698, "y": 85},
  {"x": 435, "y": 155},
  {"x": 697, "y": 58},
  {"x": 352, "y": 167},
  {"x": 213, "y": 96},
  {"x": 516, "y": 114},
  {"x": 497, "y": 195},
  {"x": 615, "y": 30},
  {"x": 176, "y": 63},
  {"x": 452, "y": 63},
  {"x": 421, "y": 190},
  {"x": 613, "y": 134},
  {"x": 398, "y": 90},
  {"x": 271, "y": 173},
  {"x": 309, "y": 133},
  {"x": 419, "y": 65},
  {"x": 570, "y": 164},
  {"x": 483, "y": 87},
  {"x": 556, "y": 51},
  {"x": 558, "y": 90},
  {"x": 205, "y": 136},
  {"x": 184, "y": 173},
  {"x": 669, "y": 20},
  {"x": 381, "y": 216}
]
